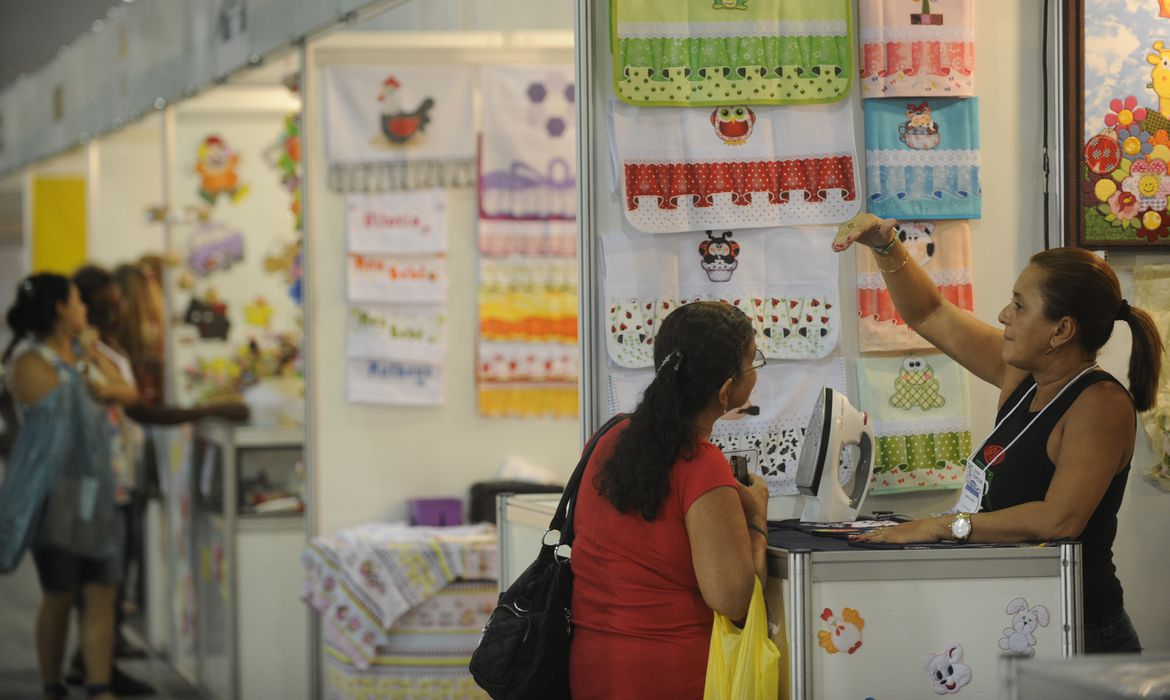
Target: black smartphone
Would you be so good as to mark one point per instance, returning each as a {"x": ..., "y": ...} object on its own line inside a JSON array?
[{"x": 739, "y": 467}]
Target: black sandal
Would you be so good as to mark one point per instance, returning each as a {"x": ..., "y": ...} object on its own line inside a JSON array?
[
  {"x": 56, "y": 690},
  {"x": 97, "y": 690}
]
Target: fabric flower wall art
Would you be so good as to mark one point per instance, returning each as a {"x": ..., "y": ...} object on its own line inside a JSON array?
[
  {"x": 711, "y": 52},
  {"x": 909, "y": 53},
  {"x": 528, "y": 148},
  {"x": 918, "y": 404},
  {"x": 943, "y": 249},
  {"x": 735, "y": 166},
  {"x": 399, "y": 127},
  {"x": 922, "y": 158}
]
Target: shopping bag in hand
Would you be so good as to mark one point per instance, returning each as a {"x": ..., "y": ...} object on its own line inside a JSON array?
[{"x": 743, "y": 664}]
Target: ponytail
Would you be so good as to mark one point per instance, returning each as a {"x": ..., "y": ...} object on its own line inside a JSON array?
[
  {"x": 35, "y": 310},
  {"x": 1145, "y": 358},
  {"x": 698, "y": 347}
]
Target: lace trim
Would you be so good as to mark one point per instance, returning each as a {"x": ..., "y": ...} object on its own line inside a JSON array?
[
  {"x": 914, "y": 35},
  {"x": 924, "y": 426},
  {"x": 941, "y": 278},
  {"x": 649, "y": 292},
  {"x": 920, "y": 158},
  {"x": 732, "y": 30}
]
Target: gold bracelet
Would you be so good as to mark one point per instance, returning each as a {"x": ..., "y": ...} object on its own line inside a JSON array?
[
  {"x": 884, "y": 250},
  {"x": 896, "y": 269}
]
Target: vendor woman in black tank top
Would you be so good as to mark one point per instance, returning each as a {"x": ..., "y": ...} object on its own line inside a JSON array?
[{"x": 1057, "y": 461}]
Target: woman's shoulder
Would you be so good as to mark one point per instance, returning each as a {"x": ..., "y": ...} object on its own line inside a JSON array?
[{"x": 32, "y": 376}]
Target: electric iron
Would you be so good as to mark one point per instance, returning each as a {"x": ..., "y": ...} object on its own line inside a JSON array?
[{"x": 834, "y": 426}]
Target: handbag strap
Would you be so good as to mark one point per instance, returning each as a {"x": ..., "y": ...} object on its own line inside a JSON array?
[{"x": 562, "y": 521}]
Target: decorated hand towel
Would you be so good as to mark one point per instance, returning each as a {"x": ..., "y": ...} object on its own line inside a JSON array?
[
  {"x": 910, "y": 50},
  {"x": 527, "y": 348},
  {"x": 785, "y": 280},
  {"x": 710, "y": 52},
  {"x": 943, "y": 249},
  {"x": 528, "y": 149},
  {"x": 554, "y": 239},
  {"x": 396, "y": 279},
  {"x": 394, "y": 383},
  {"x": 397, "y": 222},
  {"x": 918, "y": 405},
  {"x": 922, "y": 158},
  {"x": 736, "y": 166},
  {"x": 399, "y": 128},
  {"x": 397, "y": 332},
  {"x": 1151, "y": 292},
  {"x": 785, "y": 393}
]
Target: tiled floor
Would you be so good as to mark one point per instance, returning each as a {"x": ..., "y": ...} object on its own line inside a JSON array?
[{"x": 19, "y": 677}]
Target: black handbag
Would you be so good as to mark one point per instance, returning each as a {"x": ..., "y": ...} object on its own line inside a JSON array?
[{"x": 524, "y": 651}]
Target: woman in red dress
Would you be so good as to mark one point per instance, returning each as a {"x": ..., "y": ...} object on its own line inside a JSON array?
[{"x": 664, "y": 532}]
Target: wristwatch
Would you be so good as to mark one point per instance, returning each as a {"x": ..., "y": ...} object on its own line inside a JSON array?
[{"x": 961, "y": 527}]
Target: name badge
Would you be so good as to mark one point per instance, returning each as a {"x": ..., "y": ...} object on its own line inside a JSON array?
[{"x": 974, "y": 486}]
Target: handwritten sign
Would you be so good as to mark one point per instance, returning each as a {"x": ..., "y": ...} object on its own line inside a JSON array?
[
  {"x": 397, "y": 279},
  {"x": 397, "y": 222},
  {"x": 408, "y": 334},
  {"x": 393, "y": 383}
]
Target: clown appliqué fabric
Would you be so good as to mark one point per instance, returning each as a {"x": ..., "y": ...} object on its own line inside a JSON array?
[
  {"x": 785, "y": 394},
  {"x": 528, "y": 149},
  {"x": 918, "y": 404},
  {"x": 922, "y": 158},
  {"x": 943, "y": 249},
  {"x": 399, "y": 128},
  {"x": 709, "y": 52},
  {"x": 909, "y": 50},
  {"x": 785, "y": 280},
  {"x": 735, "y": 166}
]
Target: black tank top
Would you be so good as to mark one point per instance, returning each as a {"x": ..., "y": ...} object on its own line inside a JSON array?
[{"x": 1024, "y": 473}]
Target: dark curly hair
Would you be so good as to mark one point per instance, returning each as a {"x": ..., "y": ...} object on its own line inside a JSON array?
[
  {"x": 35, "y": 310},
  {"x": 698, "y": 347}
]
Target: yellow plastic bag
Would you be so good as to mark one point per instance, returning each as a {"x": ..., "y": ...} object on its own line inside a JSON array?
[{"x": 743, "y": 664}]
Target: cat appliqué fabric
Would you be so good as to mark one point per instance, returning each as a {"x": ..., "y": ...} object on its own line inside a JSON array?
[{"x": 922, "y": 158}]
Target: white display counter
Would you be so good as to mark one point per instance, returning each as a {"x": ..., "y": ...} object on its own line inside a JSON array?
[{"x": 858, "y": 623}]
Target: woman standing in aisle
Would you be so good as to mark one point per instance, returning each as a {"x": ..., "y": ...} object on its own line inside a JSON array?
[
  {"x": 666, "y": 534},
  {"x": 1056, "y": 463},
  {"x": 58, "y": 492}
]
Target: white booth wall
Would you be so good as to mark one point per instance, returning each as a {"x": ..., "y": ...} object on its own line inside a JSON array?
[
  {"x": 367, "y": 461},
  {"x": 1010, "y": 87},
  {"x": 125, "y": 180}
]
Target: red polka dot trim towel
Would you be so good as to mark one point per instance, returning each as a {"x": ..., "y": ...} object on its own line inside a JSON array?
[
  {"x": 906, "y": 52},
  {"x": 919, "y": 408},
  {"x": 736, "y": 166},
  {"x": 943, "y": 249},
  {"x": 785, "y": 280},
  {"x": 785, "y": 393}
]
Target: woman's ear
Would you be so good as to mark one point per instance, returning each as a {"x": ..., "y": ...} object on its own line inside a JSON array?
[
  {"x": 1066, "y": 328},
  {"x": 725, "y": 394}
]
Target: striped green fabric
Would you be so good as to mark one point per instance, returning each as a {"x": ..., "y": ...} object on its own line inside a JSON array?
[{"x": 717, "y": 52}]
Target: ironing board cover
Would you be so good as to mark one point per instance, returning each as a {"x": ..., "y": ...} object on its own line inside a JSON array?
[
  {"x": 736, "y": 167},
  {"x": 715, "y": 52},
  {"x": 905, "y": 53},
  {"x": 399, "y": 128},
  {"x": 785, "y": 280},
  {"x": 918, "y": 405},
  {"x": 943, "y": 249},
  {"x": 922, "y": 158},
  {"x": 527, "y": 151},
  {"x": 786, "y": 393}
]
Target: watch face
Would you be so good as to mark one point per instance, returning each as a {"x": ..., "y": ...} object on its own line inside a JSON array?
[{"x": 960, "y": 528}]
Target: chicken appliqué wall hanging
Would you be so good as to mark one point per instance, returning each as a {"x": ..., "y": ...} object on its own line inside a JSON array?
[{"x": 400, "y": 122}]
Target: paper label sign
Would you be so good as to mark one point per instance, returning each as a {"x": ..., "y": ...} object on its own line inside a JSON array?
[
  {"x": 395, "y": 279},
  {"x": 394, "y": 383},
  {"x": 408, "y": 334},
  {"x": 397, "y": 222}
]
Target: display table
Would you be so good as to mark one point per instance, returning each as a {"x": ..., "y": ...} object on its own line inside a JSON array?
[
  {"x": 1096, "y": 677},
  {"x": 402, "y": 608},
  {"x": 915, "y": 622},
  {"x": 856, "y": 622}
]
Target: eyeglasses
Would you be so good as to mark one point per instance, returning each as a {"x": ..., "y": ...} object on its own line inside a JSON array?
[{"x": 758, "y": 361}]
